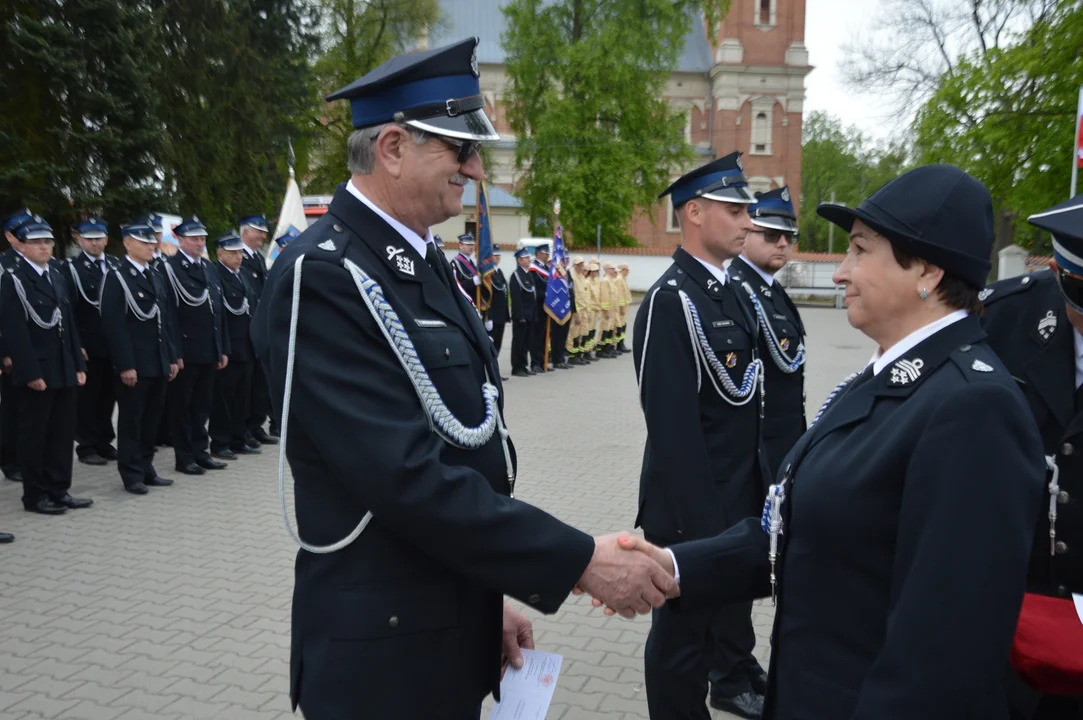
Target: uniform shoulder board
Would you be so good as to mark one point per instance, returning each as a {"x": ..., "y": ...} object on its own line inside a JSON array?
[
  {"x": 672, "y": 279},
  {"x": 976, "y": 363},
  {"x": 1014, "y": 286}
]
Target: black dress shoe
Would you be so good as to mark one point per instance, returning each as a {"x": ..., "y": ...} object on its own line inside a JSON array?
[
  {"x": 158, "y": 481},
  {"x": 564, "y": 366},
  {"x": 263, "y": 438},
  {"x": 92, "y": 458},
  {"x": 747, "y": 705},
  {"x": 108, "y": 452},
  {"x": 245, "y": 450},
  {"x": 224, "y": 454},
  {"x": 137, "y": 488},
  {"x": 209, "y": 463},
  {"x": 503, "y": 379},
  {"x": 190, "y": 469},
  {"x": 15, "y": 476},
  {"x": 72, "y": 503},
  {"x": 520, "y": 373},
  {"x": 251, "y": 443},
  {"x": 6, "y": 538},
  {"x": 45, "y": 506}
]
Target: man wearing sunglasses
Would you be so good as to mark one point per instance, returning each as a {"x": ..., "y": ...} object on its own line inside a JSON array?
[
  {"x": 1034, "y": 324},
  {"x": 395, "y": 415}
]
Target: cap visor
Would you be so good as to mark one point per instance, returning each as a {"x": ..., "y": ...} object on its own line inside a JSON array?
[
  {"x": 194, "y": 233},
  {"x": 739, "y": 195},
  {"x": 782, "y": 224},
  {"x": 257, "y": 226},
  {"x": 93, "y": 235},
  {"x": 36, "y": 235},
  {"x": 473, "y": 125}
]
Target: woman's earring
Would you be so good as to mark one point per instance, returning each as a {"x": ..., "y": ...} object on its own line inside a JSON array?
[{"x": 924, "y": 293}]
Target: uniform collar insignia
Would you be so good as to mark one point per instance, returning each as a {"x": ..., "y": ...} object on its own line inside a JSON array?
[
  {"x": 714, "y": 286},
  {"x": 984, "y": 294},
  {"x": 765, "y": 290},
  {"x": 1047, "y": 326},
  {"x": 328, "y": 245},
  {"x": 904, "y": 372},
  {"x": 981, "y": 367},
  {"x": 403, "y": 263}
]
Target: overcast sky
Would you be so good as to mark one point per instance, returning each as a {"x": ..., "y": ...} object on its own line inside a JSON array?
[{"x": 829, "y": 24}]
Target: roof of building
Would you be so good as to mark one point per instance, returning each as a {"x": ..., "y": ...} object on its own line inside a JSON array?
[
  {"x": 485, "y": 19},
  {"x": 497, "y": 198}
]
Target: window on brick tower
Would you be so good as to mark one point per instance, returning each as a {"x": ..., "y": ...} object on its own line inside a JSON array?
[
  {"x": 765, "y": 12},
  {"x": 471, "y": 227},
  {"x": 760, "y": 133}
]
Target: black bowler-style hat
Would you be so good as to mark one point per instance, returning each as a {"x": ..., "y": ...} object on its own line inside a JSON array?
[
  {"x": 936, "y": 212},
  {"x": 438, "y": 91}
]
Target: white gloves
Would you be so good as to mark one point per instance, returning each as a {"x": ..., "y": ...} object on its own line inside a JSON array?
[
  {"x": 477, "y": 280},
  {"x": 488, "y": 324}
]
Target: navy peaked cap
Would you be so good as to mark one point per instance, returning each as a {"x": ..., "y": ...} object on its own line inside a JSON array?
[
  {"x": 720, "y": 179},
  {"x": 1065, "y": 222},
  {"x": 774, "y": 210},
  {"x": 92, "y": 228},
  {"x": 935, "y": 212}
]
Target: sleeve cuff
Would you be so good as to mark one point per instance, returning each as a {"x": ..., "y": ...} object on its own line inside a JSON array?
[{"x": 676, "y": 570}]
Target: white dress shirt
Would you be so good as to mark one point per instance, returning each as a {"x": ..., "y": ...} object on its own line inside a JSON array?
[
  {"x": 896, "y": 351},
  {"x": 767, "y": 277},
  {"x": 1078, "y": 358},
  {"x": 190, "y": 258},
  {"x": 719, "y": 273},
  {"x": 138, "y": 266},
  {"x": 418, "y": 243},
  {"x": 99, "y": 261}
]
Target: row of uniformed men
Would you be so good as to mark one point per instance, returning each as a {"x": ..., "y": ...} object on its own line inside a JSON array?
[{"x": 79, "y": 335}]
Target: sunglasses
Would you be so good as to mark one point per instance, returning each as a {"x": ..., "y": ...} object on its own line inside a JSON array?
[
  {"x": 773, "y": 236},
  {"x": 1071, "y": 287},
  {"x": 466, "y": 148}
]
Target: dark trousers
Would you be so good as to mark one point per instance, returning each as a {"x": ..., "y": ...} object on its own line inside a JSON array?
[
  {"x": 139, "y": 412},
  {"x": 520, "y": 342},
  {"x": 537, "y": 341},
  {"x": 94, "y": 428},
  {"x": 259, "y": 400},
  {"x": 683, "y": 648},
  {"x": 232, "y": 398},
  {"x": 46, "y": 437},
  {"x": 189, "y": 407},
  {"x": 497, "y": 334},
  {"x": 9, "y": 425},
  {"x": 558, "y": 339}
]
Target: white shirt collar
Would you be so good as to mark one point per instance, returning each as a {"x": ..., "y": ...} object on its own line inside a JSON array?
[
  {"x": 248, "y": 251},
  {"x": 719, "y": 273},
  {"x": 138, "y": 266},
  {"x": 896, "y": 351},
  {"x": 40, "y": 270},
  {"x": 417, "y": 242},
  {"x": 1078, "y": 358},
  {"x": 91, "y": 258},
  {"x": 235, "y": 272},
  {"x": 190, "y": 258},
  {"x": 767, "y": 277}
]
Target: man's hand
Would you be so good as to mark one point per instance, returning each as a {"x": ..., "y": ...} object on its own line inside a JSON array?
[
  {"x": 627, "y": 582},
  {"x": 7, "y": 365},
  {"x": 180, "y": 364},
  {"x": 173, "y": 370},
  {"x": 38, "y": 385},
  {"x": 129, "y": 377},
  {"x": 518, "y": 634},
  {"x": 80, "y": 377},
  {"x": 223, "y": 362}
]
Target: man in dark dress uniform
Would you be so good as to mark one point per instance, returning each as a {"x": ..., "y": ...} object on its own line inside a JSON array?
[
  {"x": 524, "y": 313},
  {"x": 47, "y": 366},
  {"x": 86, "y": 273},
  {"x": 254, "y": 231},
  {"x": 781, "y": 341},
  {"x": 702, "y": 468},
  {"x": 10, "y": 259},
  {"x": 233, "y": 383},
  {"x": 139, "y": 334},
  {"x": 539, "y": 271},
  {"x": 202, "y": 346},
  {"x": 498, "y": 312},
  {"x": 466, "y": 272},
  {"x": 392, "y": 418},
  {"x": 1034, "y": 324}
]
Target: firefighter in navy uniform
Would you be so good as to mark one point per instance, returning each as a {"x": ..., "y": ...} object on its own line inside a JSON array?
[
  {"x": 40, "y": 336},
  {"x": 539, "y": 272},
  {"x": 782, "y": 334},
  {"x": 202, "y": 346},
  {"x": 140, "y": 336},
  {"x": 85, "y": 273},
  {"x": 10, "y": 259},
  {"x": 254, "y": 231},
  {"x": 466, "y": 272},
  {"x": 524, "y": 309},
  {"x": 1034, "y": 324},
  {"x": 233, "y": 383},
  {"x": 702, "y": 461},
  {"x": 498, "y": 312}
]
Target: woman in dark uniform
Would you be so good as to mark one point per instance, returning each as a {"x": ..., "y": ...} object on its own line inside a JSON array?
[{"x": 897, "y": 539}]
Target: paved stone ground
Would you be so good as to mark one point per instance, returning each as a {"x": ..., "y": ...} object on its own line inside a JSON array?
[{"x": 176, "y": 604}]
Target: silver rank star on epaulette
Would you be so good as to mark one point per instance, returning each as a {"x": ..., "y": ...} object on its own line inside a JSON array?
[{"x": 979, "y": 366}]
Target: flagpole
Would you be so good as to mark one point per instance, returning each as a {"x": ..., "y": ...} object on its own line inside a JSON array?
[
  {"x": 1077, "y": 144},
  {"x": 548, "y": 319}
]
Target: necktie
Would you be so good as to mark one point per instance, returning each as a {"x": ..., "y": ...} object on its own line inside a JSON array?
[
  {"x": 434, "y": 263},
  {"x": 103, "y": 266}
]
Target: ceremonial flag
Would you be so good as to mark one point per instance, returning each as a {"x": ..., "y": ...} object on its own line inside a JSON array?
[
  {"x": 1079, "y": 133},
  {"x": 291, "y": 217},
  {"x": 483, "y": 241},
  {"x": 558, "y": 303}
]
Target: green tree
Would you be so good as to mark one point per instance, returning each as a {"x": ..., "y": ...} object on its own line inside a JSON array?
[
  {"x": 1007, "y": 116},
  {"x": 358, "y": 36},
  {"x": 839, "y": 162},
  {"x": 585, "y": 99}
]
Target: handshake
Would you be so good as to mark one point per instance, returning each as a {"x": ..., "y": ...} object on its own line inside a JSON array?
[{"x": 628, "y": 575}]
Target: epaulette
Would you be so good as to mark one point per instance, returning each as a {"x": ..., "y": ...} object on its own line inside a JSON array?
[
  {"x": 1014, "y": 286},
  {"x": 672, "y": 279},
  {"x": 329, "y": 243},
  {"x": 976, "y": 363}
]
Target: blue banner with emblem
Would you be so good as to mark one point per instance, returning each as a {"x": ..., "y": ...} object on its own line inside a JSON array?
[
  {"x": 483, "y": 240},
  {"x": 558, "y": 303}
]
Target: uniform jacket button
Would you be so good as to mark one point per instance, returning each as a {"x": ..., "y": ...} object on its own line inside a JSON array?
[
  {"x": 1060, "y": 547},
  {"x": 337, "y": 227},
  {"x": 1062, "y": 591},
  {"x": 447, "y": 353},
  {"x": 393, "y": 622},
  {"x": 1067, "y": 449},
  {"x": 1063, "y": 497},
  {"x": 534, "y": 599}
]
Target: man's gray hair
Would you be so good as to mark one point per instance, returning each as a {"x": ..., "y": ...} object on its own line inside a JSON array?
[{"x": 361, "y": 147}]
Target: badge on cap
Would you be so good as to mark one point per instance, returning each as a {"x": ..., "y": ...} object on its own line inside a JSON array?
[
  {"x": 739, "y": 165},
  {"x": 474, "y": 63},
  {"x": 1047, "y": 326},
  {"x": 984, "y": 294},
  {"x": 785, "y": 194},
  {"x": 731, "y": 360},
  {"x": 981, "y": 367},
  {"x": 905, "y": 372}
]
